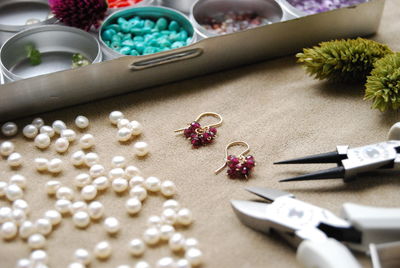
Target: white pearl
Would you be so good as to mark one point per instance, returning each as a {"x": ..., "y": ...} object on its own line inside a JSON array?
[
  {"x": 169, "y": 216},
  {"x": 23, "y": 263},
  {"x": 8, "y": 230},
  {"x": 81, "y": 121},
  {"x": 7, "y": 148},
  {"x": 86, "y": 141},
  {"x": 116, "y": 173},
  {"x": 166, "y": 231},
  {"x": 69, "y": 134},
  {"x": 81, "y": 219},
  {"x": 118, "y": 162},
  {"x": 38, "y": 122},
  {"x": 61, "y": 145},
  {"x": 96, "y": 210},
  {"x": 137, "y": 247},
  {"x": 176, "y": 242},
  {"x": 59, "y": 126},
  {"x": 22, "y": 205},
  {"x": 139, "y": 192},
  {"x": 52, "y": 186},
  {"x": 122, "y": 123},
  {"x": 136, "y": 128},
  {"x": 142, "y": 264},
  {"x": 183, "y": 263},
  {"x": 3, "y": 187},
  {"x": 43, "y": 226},
  {"x": 133, "y": 205},
  {"x": 36, "y": 241},
  {"x": 26, "y": 229},
  {"x": 141, "y": 148},
  {"x": 18, "y": 215},
  {"x": 115, "y": 116},
  {"x": 41, "y": 163},
  {"x": 19, "y": 180},
  {"x": 14, "y": 160},
  {"x": 30, "y": 131},
  {"x": 154, "y": 221},
  {"x": 136, "y": 181},
  {"x": 166, "y": 262},
  {"x": 14, "y": 192},
  {"x": 39, "y": 257},
  {"x": 91, "y": 159},
  {"x": 123, "y": 266},
  {"x": 131, "y": 171},
  {"x": 9, "y": 129},
  {"x": 55, "y": 165},
  {"x": 112, "y": 225},
  {"x": 78, "y": 206},
  {"x": 82, "y": 256},
  {"x": 168, "y": 188},
  {"x": 124, "y": 134},
  {"x": 153, "y": 184},
  {"x": 76, "y": 265},
  {"x": 78, "y": 158},
  {"x": 185, "y": 217},
  {"x": 63, "y": 206},
  {"x": 81, "y": 180},
  {"x": 119, "y": 185},
  {"x": 191, "y": 243},
  {"x": 42, "y": 141},
  {"x": 151, "y": 236},
  {"x": 5, "y": 214},
  {"x": 102, "y": 250},
  {"x": 47, "y": 130},
  {"x": 101, "y": 183},
  {"x": 65, "y": 193},
  {"x": 53, "y": 216},
  {"x": 194, "y": 256},
  {"x": 97, "y": 171},
  {"x": 89, "y": 192}
]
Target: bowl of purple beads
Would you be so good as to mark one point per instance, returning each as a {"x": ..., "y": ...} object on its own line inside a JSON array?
[{"x": 309, "y": 7}]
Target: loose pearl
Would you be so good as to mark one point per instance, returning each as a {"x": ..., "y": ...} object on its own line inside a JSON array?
[
  {"x": 9, "y": 129},
  {"x": 133, "y": 205},
  {"x": 42, "y": 141},
  {"x": 141, "y": 148},
  {"x": 119, "y": 185},
  {"x": 86, "y": 141},
  {"x": 166, "y": 231},
  {"x": 183, "y": 263},
  {"x": 53, "y": 216},
  {"x": 23, "y": 263},
  {"x": 81, "y": 180},
  {"x": 81, "y": 121},
  {"x": 30, "y": 131},
  {"x": 63, "y": 206},
  {"x": 97, "y": 171},
  {"x": 47, "y": 130},
  {"x": 19, "y": 180},
  {"x": 55, "y": 165},
  {"x": 52, "y": 186},
  {"x": 76, "y": 265},
  {"x": 59, "y": 126},
  {"x": 14, "y": 160},
  {"x": 69, "y": 134},
  {"x": 122, "y": 123},
  {"x": 168, "y": 188},
  {"x": 102, "y": 250},
  {"x": 139, "y": 192},
  {"x": 116, "y": 173},
  {"x": 142, "y": 264},
  {"x": 194, "y": 256},
  {"x": 154, "y": 221},
  {"x": 18, "y": 215},
  {"x": 65, "y": 193},
  {"x": 176, "y": 242},
  {"x": 191, "y": 243},
  {"x": 36, "y": 241},
  {"x": 3, "y": 187},
  {"x": 82, "y": 256},
  {"x": 7, "y": 148},
  {"x": 61, "y": 145},
  {"x": 131, "y": 171},
  {"x": 81, "y": 219},
  {"x": 101, "y": 183},
  {"x": 26, "y": 229},
  {"x": 137, "y": 247},
  {"x": 41, "y": 163},
  {"x": 14, "y": 192},
  {"x": 166, "y": 262},
  {"x": 43, "y": 226},
  {"x": 38, "y": 122},
  {"x": 89, "y": 192},
  {"x": 39, "y": 257},
  {"x": 112, "y": 225},
  {"x": 136, "y": 128},
  {"x": 8, "y": 230},
  {"x": 78, "y": 206},
  {"x": 185, "y": 216},
  {"x": 5, "y": 214},
  {"x": 151, "y": 236},
  {"x": 169, "y": 216},
  {"x": 153, "y": 184},
  {"x": 91, "y": 159},
  {"x": 115, "y": 116},
  {"x": 124, "y": 134},
  {"x": 136, "y": 181},
  {"x": 96, "y": 210},
  {"x": 118, "y": 162},
  {"x": 78, "y": 158}
]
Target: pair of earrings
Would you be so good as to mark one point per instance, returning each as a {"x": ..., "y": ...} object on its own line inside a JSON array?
[{"x": 238, "y": 166}]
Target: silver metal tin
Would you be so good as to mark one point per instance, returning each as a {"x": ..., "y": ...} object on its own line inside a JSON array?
[
  {"x": 14, "y": 15},
  {"x": 184, "y": 6},
  {"x": 56, "y": 44},
  {"x": 1, "y": 78}
]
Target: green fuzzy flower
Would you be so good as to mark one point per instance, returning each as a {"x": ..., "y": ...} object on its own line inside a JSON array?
[
  {"x": 383, "y": 85},
  {"x": 342, "y": 60}
]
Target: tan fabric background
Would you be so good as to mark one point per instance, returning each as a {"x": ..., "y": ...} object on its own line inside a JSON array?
[{"x": 274, "y": 106}]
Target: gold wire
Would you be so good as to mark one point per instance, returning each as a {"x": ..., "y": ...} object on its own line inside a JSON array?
[
  {"x": 202, "y": 115},
  {"x": 235, "y": 143}
]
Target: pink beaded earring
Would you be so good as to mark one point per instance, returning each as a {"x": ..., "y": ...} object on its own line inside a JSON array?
[
  {"x": 238, "y": 166},
  {"x": 198, "y": 135}
]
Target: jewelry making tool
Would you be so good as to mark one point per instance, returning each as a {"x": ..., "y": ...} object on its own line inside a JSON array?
[{"x": 320, "y": 236}]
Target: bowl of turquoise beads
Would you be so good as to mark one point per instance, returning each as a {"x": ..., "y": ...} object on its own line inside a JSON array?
[{"x": 145, "y": 30}]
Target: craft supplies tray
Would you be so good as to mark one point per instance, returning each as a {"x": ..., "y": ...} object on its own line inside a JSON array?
[{"x": 288, "y": 32}]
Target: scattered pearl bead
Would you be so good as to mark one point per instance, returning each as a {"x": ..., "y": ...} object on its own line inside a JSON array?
[
  {"x": 119, "y": 185},
  {"x": 82, "y": 256},
  {"x": 168, "y": 188},
  {"x": 112, "y": 225},
  {"x": 81, "y": 219},
  {"x": 136, "y": 128},
  {"x": 69, "y": 134},
  {"x": 78, "y": 206},
  {"x": 5, "y": 214},
  {"x": 47, "y": 130},
  {"x": 102, "y": 250},
  {"x": 185, "y": 216},
  {"x": 81, "y": 180},
  {"x": 176, "y": 242},
  {"x": 7, "y": 148},
  {"x": 91, "y": 159},
  {"x": 97, "y": 171},
  {"x": 30, "y": 131},
  {"x": 136, "y": 181},
  {"x": 194, "y": 256},
  {"x": 151, "y": 236},
  {"x": 43, "y": 226},
  {"x": 115, "y": 116},
  {"x": 169, "y": 216},
  {"x": 153, "y": 184},
  {"x": 166, "y": 262},
  {"x": 22, "y": 205},
  {"x": 154, "y": 221},
  {"x": 9, "y": 129},
  {"x": 133, "y": 205},
  {"x": 14, "y": 160},
  {"x": 65, "y": 193},
  {"x": 78, "y": 158},
  {"x": 116, "y": 173},
  {"x": 137, "y": 247},
  {"x": 61, "y": 145},
  {"x": 53, "y": 216},
  {"x": 122, "y": 123},
  {"x": 138, "y": 192},
  {"x": 124, "y": 134},
  {"x": 59, "y": 126},
  {"x": 39, "y": 257},
  {"x": 183, "y": 263},
  {"x": 8, "y": 230},
  {"x": 36, "y": 241},
  {"x": 86, "y": 141},
  {"x": 19, "y": 180},
  {"x": 52, "y": 187},
  {"x": 191, "y": 243},
  {"x": 55, "y": 165},
  {"x": 14, "y": 192},
  {"x": 81, "y": 121},
  {"x": 101, "y": 183},
  {"x": 63, "y": 206},
  {"x": 142, "y": 264},
  {"x": 89, "y": 192},
  {"x": 76, "y": 265},
  {"x": 38, "y": 122},
  {"x": 23, "y": 263},
  {"x": 96, "y": 210},
  {"x": 3, "y": 187},
  {"x": 42, "y": 141},
  {"x": 141, "y": 148},
  {"x": 18, "y": 215},
  {"x": 41, "y": 163},
  {"x": 131, "y": 171},
  {"x": 26, "y": 229},
  {"x": 118, "y": 162},
  {"x": 166, "y": 231}
]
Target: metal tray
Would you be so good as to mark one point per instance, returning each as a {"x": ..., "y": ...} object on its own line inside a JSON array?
[{"x": 125, "y": 74}]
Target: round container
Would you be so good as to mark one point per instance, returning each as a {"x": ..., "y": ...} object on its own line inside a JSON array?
[
  {"x": 205, "y": 9},
  {"x": 141, "y": 3},
  {"x": 17, "y": 15},
  {"x": 181, "y": 5},
  {"x": 56, "y": 44},
  {"x": 1, "y": 78},
  {"x": 148, "y": 12}
]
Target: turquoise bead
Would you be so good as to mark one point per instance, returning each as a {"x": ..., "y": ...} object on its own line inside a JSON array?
[
  {"x": 173, "y": 26},
  {"x": 115, "y": 45},
  {"x": 125, "y": 50},
  {"x": 114, "y": 27},
  {"x": 146, "y": 30},
  {"x": 137, "y": 24},
  {"x": 136, "y": 31},
  {"x": 177, "y": 45},
  {"x": 128, "y": 43},
  {"x": 166, "y": 32},
  {"x": 183, "y": 36},
  {"x": 189, "y": 41},
  {"x": 174, "y": 37},
  {"x": 164, "y": 43},
  {"x": 139, "y": 46},
  {"x": 134, "y": 53},
  {"x": 121, "y": 20},
  {"x": 127, "y": 37},
  {"x": 162, "y": 24},
  {"x": 107, "y": 35},
  {"x": 149, "y": 50},
  {"x": 153, "y": 43},
  {"x": 125, "y": 27},
  {"x": 149, "y": 24},
  {"x": 138, "y": 38},
  {"x": 116, "y": 38}
]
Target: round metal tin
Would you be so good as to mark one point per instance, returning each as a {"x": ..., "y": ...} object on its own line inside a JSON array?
[{"x": 56, "y": 44}]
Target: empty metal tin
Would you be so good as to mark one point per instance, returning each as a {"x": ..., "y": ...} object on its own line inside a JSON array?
[
  {"x": 56, "y": 44},
  {"x": 181, "y": 5}
]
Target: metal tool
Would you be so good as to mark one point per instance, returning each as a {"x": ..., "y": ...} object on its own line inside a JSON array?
[{"x": 319, "y": 235}]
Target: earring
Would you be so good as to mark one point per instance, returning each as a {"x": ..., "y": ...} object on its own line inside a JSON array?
[
  {"x": 198, "y": 135},
  {"x": 238, "y": 166}
]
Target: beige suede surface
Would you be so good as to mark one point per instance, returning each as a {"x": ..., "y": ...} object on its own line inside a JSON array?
[{"x": 274, "y": 106}]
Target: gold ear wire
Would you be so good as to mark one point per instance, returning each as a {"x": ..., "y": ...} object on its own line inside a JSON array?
[
  {"x": 235, "y": 143},
  {"x": 206, "y": 114}
]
